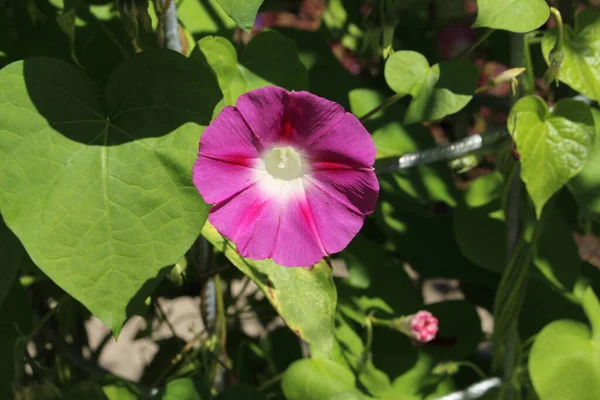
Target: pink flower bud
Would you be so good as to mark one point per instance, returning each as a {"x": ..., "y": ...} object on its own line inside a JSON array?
[{"x": 423, "y": 326}]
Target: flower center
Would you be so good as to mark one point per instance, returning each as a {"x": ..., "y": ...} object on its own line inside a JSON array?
[{"x": 284, "y": 163}]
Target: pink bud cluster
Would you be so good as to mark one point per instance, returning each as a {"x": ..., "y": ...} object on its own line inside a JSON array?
[{"x": 423, "y": 326}]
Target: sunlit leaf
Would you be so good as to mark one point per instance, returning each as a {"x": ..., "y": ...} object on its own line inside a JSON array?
[
  {"x": 554, "y": 146},
  {"x": 512, "y": 15},
  {"x": 437, "y": 91},
  {"x": 580, "y": 66}
]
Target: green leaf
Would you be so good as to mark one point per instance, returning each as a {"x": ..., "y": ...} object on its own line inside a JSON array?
[
  {"x": 119, "y": 391},
  {"x": 481, "y": 236},
  {"x": 305, "y": 298},
  {"x": 564, "y": 362},
  {"x": 352, "y": 349},
  {"x": 405, "y": 71},
  {"x": 419, "y": 383},
  {"x": 243, "y": 12},
  {"x": 184, "y": 389},
  {"x": 429, "y": 183},
  {"x": 485, "y": 189},
  {"x": 377, "y": 280},
  {"x": 553, "y": 146},
  {"x": 269, "y": 59},
  {"x": 580, "y": 67},
  {"x": 318, "y": 379},
  {"x": 556, "y": 254},
  {"x": 585, "y": 184},
  {"x": 204, "y": 18},
  {"x": 15, "y": 321},
  {"x": 512, "y": 15},
  {"x": 327, "y": 76},
  {"x": 437, "y": 91},
  {"x": 98, "y": 188}
]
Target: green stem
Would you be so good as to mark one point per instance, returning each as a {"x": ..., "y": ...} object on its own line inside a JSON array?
[
  {"x": 381, "y": 107},
  {"x": 476, "y": 44},
  {"x": 47, "y": 316},
  {"x": 561, "y": 30},
  {"x": 367, "y": 350},
  {"x": 529, "y": 85},
  {"x": 163, "y": 316},
  {"x": 380, "y": 322},
  {"x": 474, "y": 367},
  {"x": 270, "y": 382}
]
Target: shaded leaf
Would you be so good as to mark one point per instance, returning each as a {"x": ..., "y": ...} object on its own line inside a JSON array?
[
  {"x": 586, "y": 184},
  {"x": 481, "y": 236},
  {"x": 269, "y": 59}
]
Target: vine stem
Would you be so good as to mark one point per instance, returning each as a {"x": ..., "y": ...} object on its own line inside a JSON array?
[
  {"x": 391, "y": 100},
  {"x": 270, "y": 382},
  {"x": 560, "y": 26},
  {"x": 47, "y": 316},
  {"x": 171, "y": 26},
  {"x": 475, "y": 44}
]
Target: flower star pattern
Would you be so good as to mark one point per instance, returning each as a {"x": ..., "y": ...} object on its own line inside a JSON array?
[{"x": 290, "y": 174}]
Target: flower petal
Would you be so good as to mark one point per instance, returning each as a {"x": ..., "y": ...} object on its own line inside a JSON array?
[
  {"x": 263, "y": 111},
  {"x": 228, "y": 137},
  {"x": 336, "y": 222},
  {"x": 309, "y": 117},
  {"x": 356, "y": 189},
  {"x": 347, "y": 145},
  {"x": 263, "y": 227},
  {"x": 217, "y": 180},
  {"x": 278, "y": 117}
]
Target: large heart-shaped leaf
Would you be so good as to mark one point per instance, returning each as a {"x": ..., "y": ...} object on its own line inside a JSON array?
[
  {"x": 580, "y": 67},
  {"x": 269, "y": 59},
  {"x": 437, "y": 91},
  {"x": 98, "y": 187},
  {"x": 565, "y": 359},
  {"x": 305, "y": 298},
  {"x": 553, "y": 146},
  {"x": 512, "y": 15},
  {"x": 243, "y": 12}
]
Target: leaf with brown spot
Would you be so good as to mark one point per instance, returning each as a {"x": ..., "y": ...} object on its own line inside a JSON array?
[{"x": 305, "y": 298}]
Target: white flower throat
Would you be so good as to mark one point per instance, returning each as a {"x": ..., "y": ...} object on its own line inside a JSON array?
[{"x": 284, "y": 163}]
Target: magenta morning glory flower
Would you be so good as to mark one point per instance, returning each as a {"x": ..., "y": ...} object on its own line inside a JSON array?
[{"x": 290, "y": 174}]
